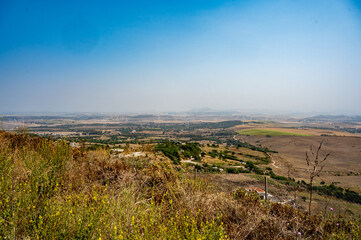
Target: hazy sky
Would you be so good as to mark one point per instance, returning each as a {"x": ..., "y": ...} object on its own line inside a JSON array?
[{"x": 130, "y": 56}]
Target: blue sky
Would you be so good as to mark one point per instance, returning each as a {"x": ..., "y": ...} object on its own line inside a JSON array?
[{"x": 153, "y": 56}]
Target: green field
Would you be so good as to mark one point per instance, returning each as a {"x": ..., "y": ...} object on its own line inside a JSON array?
[{"x": 254, "y": 132}]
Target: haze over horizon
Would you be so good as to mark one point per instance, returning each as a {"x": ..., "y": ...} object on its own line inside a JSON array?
[{"x": 141, "y": 56}]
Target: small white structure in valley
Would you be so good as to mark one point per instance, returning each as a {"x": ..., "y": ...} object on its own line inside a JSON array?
[{"x": 117, "y": 150}]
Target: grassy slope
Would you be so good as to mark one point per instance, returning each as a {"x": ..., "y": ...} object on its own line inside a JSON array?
[
  {"x": 50, "y": 191},
  {"x": 253, "y": 132}
]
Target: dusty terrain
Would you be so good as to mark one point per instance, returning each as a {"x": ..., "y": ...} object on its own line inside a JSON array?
[{"x": 343, "y": 165}]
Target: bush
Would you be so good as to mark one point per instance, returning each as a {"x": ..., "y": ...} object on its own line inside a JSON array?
[
  {"x": 170, "y": 150},
  {"x": 47, "y": 191},
  {"x": 277, "y": 177}
]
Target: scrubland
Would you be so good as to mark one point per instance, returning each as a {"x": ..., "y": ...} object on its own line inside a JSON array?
[{"x": 51, "y": 191}]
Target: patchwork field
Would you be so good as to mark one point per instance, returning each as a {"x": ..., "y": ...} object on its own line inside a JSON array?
[
  {"x": 269, "y": 132},
  {"x": 343, "y": 165},
  {"x": 274, "y": 130}
]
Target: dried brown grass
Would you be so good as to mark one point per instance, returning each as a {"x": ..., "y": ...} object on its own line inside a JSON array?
[{"x": 138, "y": 183}]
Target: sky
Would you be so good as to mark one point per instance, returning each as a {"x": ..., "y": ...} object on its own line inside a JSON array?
[{"x": 155, "y": 56}]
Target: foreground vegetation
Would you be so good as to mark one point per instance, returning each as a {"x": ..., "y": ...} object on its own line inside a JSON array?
[{"x": 51, "y": 191}]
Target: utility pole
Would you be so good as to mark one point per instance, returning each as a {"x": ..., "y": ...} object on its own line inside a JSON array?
[{"x": 265, "y": 189}]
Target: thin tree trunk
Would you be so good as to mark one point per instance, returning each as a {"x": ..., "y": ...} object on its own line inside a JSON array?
[{"x": 309, "y": 206}]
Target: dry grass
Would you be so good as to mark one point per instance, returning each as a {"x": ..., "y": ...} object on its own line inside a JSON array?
[
  {"x": 344, "y": 158},
  {"x": 50, "y": 191}
]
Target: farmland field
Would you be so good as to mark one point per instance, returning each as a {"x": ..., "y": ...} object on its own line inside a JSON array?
[
  {"x": 343, "y": 164},
  {"x": 254, "y": 132}
]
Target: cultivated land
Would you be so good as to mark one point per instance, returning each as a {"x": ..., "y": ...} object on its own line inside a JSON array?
[
  {"x": 343, "y": 165},
  {"x": 268, "y": 132}
]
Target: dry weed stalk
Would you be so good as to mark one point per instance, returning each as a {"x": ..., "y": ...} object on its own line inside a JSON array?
[{"x": 314, "y": 167}]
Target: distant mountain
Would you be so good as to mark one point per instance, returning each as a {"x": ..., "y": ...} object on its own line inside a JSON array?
[
  {"x": 209, "y": 111},
  {"x": 202, "y": 110}
]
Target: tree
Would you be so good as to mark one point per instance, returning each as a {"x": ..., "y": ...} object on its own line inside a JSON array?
[{"x": 314, "y": 167}]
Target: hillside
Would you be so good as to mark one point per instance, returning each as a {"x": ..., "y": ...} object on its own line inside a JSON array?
[{"x": 50, "y": 190}]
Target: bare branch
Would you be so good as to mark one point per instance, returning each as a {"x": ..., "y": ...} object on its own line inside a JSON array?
[
  {"x": 324, "y": 159},
  {"x": 319, "y": 170},
  {"x": 318, "y": 150},
  {"x": 316, "y": 167}
]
